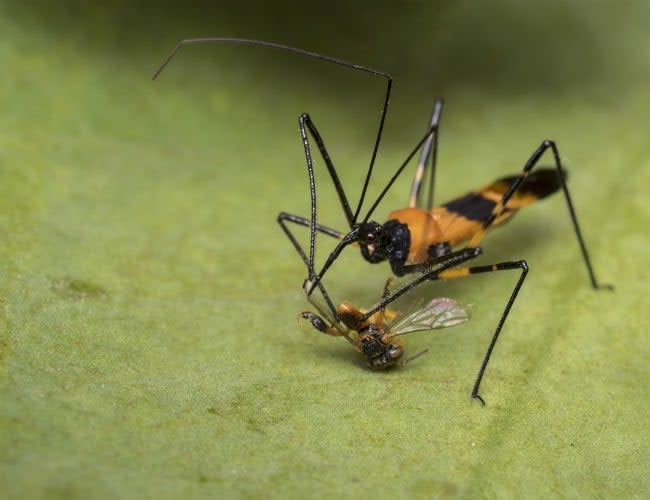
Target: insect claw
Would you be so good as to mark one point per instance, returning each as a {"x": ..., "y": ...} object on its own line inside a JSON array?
[{"x": 476, "y": 396}]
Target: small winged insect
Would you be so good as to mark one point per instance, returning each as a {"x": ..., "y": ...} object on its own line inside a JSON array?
[
  {"x": 435, "y": 241},
  {"x": 375, "y": 336}
]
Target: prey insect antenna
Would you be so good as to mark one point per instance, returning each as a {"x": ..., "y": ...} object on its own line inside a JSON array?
[{"x": 414, "y": 357}]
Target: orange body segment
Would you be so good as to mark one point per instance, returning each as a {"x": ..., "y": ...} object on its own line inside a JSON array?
[{"x": 424, "y": 229}]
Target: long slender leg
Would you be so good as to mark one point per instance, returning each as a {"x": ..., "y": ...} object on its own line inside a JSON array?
[
  {"x": 502, "y": 266},
  {"x": 429, "y": 150},
  {"x": 305, "y": 122},
  {"x": 397, "y": 173},
  {"x": 448, "y": 270},
  {"x": 501, "y": 205},
  {"x": 448, "y": 261},
  {"x": 354, "y": 235},
  {"x": 302, "y": 221},
  {"x": 283, "y": 218}
]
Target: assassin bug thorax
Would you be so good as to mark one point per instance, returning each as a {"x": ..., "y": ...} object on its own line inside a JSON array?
[{"x": 416, "y": 238}]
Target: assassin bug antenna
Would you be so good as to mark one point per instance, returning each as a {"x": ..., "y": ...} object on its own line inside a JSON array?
[{"x": 244, "y": 41}]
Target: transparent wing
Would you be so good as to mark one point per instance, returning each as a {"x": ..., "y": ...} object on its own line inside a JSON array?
[{"x": 439, "y": 313}]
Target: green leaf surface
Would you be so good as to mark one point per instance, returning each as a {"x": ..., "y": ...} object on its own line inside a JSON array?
[{"x": 148, "y": 337}]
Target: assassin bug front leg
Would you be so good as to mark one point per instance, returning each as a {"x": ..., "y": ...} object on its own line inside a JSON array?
[{"x": 416, "y": 239}]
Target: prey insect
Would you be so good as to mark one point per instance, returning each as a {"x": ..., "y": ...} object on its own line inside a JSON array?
[
  {"x": 435, "y": 241},
  {"x": 376, "y": 336}
]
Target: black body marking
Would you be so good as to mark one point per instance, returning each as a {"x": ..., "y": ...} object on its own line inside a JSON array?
[
  {"x": 395, "y": 244},
  {"x": 540, "y": 183},
  {"x": 472, "y": 206},
  {"x": 439, "y": 250}
]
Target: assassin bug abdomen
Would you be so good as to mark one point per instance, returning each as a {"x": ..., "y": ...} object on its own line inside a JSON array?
[{"x": 414, "y": 235}]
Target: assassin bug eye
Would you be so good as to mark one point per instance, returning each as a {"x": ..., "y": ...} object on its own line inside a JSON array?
[{"x": 370, "y": 231}]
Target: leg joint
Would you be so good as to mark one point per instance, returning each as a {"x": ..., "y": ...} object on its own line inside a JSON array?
[{"x": 520, "y": 264}]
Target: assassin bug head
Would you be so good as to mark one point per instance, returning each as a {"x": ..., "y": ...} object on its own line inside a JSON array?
[{"x": 370, "y": 232}]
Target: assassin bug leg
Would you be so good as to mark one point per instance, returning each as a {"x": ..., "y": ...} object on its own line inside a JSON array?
[
  {"x": 448, "y": 271},
  {"x": 501, "y": 206},
  {"x": 367, "y": 233},
  {"x": 309, "y": 263},
  {"x": 429, "y": 150}
]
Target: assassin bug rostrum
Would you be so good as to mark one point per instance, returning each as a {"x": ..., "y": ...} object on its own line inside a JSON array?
[
  {"x": 376, "y": 336},
  {"x": 417, "y": 239}
]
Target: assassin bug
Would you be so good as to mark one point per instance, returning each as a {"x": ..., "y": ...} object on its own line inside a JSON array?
[
  {"x": 417, "y": 239},
  {"x": 376, "y": 336}
]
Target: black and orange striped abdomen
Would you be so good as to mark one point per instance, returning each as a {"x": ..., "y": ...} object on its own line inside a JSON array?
[{"x": 460, "y": 219}]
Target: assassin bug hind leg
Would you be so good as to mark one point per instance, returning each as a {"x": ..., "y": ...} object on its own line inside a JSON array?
[
  {"x": 500, "y": 207},
  {"x": 449, "y": 270}
]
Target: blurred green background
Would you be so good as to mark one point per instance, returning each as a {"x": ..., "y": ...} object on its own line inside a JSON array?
[{"x": 148, "y": 341}]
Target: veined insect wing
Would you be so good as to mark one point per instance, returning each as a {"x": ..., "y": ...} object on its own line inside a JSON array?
[{"x": 440, "y": 312}]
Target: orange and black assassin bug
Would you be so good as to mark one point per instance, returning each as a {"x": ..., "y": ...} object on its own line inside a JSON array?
[{"x": 416, "y": 238}]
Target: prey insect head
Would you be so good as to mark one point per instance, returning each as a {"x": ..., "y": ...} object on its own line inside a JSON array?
[{"x": 381, "y": 353}]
